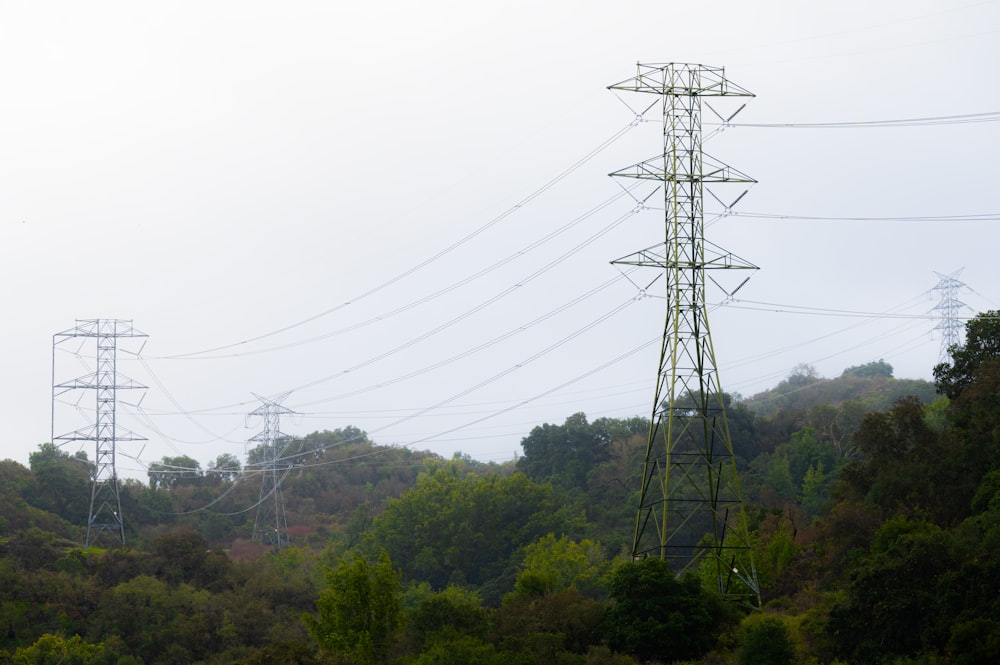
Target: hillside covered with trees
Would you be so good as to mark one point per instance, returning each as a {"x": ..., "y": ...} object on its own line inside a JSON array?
[{"x": 874, "y": 504}]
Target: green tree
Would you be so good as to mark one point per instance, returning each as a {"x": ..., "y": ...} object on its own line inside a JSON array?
[
  {"x": 814, "y": 489},
  {"x": 183, "y": 555},
  {"x": 656, "y": 615},
  {"x": 553, "y": 564},
  {"x": 171, "y": 472},
  {"x": 61, "y": 484},
  {"x": 317, "y": 443},
  {"x": 767, "y": 643},
  {"x": 877, "y": 368},
  {"x": 556, "y": 622},
  {"x": 467, "y": 530},
  {"x": 57, "y": 650},
  {"x": 565, "y": 453},
  {"x": 777, "y": 474},
  {"x": 458, "y": 649},
  {"x": 975, "y": 642},
  {"x": 225, "y": 468},
  {"x": 894, "y": 595},
  {"x": 904, "y": 466},
  {"x": 975, "y": 418},
  {"x": 982, "y": 344},
  {"x": 359, "y": 610},
  {"x": 455, "y": 611}
]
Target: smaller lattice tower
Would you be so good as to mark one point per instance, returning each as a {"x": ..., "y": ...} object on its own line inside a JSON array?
[
  {"x": 105, "y": 515},
  {"x": 269, "y": 446},
  {"x": 950, "y": 309}
]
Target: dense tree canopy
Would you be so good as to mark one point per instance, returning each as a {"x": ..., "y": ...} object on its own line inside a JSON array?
[
  {"x": 61, "y": 482},
  {"x": 565, "y": 454},
  {"x": 655, "y": 615},
  {"x": 982, "y": 344},
  {"x": 876, "y": 368},
  {"x": 876, "y": 532},
  {"x": 171, "y": 472},
  {"x": 465, "y": 530},
  {"x": 359, "y": 610}
]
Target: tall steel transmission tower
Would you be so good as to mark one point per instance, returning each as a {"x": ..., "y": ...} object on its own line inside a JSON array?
[
  {"x": 951, "y": 309},
  {"x": 690, "y": 508},
  {"x": 105, "y": 515},
  {"x": 270, "y": 525}
]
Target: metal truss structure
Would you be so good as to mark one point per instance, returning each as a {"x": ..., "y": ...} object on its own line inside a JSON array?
[
  {"x": 271, "y": 526},
  {"x": 951, "y": 309},
  {"x": 690, "y": 507},
  {"x": 105, "y": 517}
]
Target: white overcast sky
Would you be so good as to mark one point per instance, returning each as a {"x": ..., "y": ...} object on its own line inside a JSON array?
[{"x": 272, "y": 173}]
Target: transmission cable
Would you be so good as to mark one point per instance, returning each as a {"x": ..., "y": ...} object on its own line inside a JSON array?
[
  {"x": 496, "y": 377},
  {"x": 517, "y": 285},
  {"x": 434, "y": 257},
  {"x": 436, "y": 294},
  {"x": 425, "y": 410},
  {"x": 974, "y": 217},
  {"x": 822, "y": 311},
  {"x": 494, "y": 414},
  {"x": 959, "y": 119},
  {"x": 480, "y": 347}
]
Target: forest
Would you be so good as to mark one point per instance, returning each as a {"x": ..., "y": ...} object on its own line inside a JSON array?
[{"x": 874, "y": 505}]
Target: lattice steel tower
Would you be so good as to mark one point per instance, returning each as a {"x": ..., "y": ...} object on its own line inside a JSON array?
[
  {"x": 270, "y": 525},
  {"x": 690, "y": 509},
  {"x": 105, "y": 515},
  {"x": 951, "y": 309}
]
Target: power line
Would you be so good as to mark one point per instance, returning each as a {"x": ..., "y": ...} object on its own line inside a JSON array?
[
  {"x": 974, "y": 217},
  {"x": 382, "y": 317},
  {"x": 958, "y": 119},
  {"x": 552, "y": 182},
  {"x": 822, "y": 311}
]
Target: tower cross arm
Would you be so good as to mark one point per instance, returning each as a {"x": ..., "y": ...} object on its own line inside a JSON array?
[{"x": 681, "y": 79}]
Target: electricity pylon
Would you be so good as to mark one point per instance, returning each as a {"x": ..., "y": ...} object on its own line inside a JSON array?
[
  {"x": 951, "y": 308},
  {"x": 105, "y": 500},
  {"x": 270, "y": 526},
  {"x": 690, "y": 507}
]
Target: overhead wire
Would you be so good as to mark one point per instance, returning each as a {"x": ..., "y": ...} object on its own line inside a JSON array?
[
  {"x": 974, "y": 217},
  {"x": 180, "y": 409},
  {"x": 482, "y": 346},
  {"x": 381, "y": 317},
  {"x": 502, "y": 294},
  {"x": 519, "y": 283},
  {"x": 496, "y": 377},
  {"x": 549, "y": 184},
  {"x": 822, "y": 311},
  {"x": 735, "y": 213},
  {"x": 928, "y": 121},
  {"x": 494, "y": 414},
  {"x": 800, "y": 309},
  {"x": 942, "y": 120},
  {"x": 476, "y": 349},
  {"x": 290, "y": 459}
]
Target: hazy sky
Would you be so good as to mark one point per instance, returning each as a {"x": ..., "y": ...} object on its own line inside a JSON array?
[{"x": 360, "y": 193}]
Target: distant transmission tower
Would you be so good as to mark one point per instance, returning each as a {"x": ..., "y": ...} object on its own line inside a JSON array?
[
  {"x": 270, "y": 526},
  {"x": 951, "y": 309},
  {"x": 690, "y": 506},
  {"x": 105, "y": 501}
]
